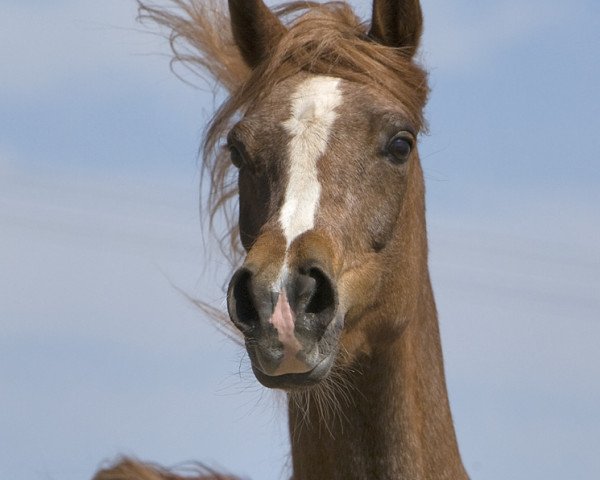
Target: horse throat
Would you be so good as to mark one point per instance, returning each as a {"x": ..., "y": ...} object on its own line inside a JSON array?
[{"x": 391, "y": 421}]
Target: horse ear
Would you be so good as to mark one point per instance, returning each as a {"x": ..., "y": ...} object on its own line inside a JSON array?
[
  {"x": 256, "y": 29},
  {"x": 397, "y": 23}
]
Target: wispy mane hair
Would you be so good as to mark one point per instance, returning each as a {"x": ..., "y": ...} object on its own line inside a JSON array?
[{"x": 325, "y": 39}]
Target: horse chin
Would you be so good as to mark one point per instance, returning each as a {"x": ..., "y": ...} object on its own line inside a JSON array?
[
  {"x": 296, "y": 381},
  {"x": 274, "y": 367}
]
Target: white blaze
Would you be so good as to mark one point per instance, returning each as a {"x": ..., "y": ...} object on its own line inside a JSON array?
[{"x": 313, "y": 114}]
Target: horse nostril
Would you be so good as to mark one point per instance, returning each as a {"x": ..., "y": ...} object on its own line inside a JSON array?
[
  {"x": 311, "y": 295},
  {"x": 305, "y": 286},
  {"x": 240, "y": 301},
  {"x": 323, "y": 294}
]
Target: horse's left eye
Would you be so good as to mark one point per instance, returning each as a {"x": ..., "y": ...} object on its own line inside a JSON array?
[{"x": 400, "y": 147}]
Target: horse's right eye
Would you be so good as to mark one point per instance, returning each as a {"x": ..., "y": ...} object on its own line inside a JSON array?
[{"x": 237, "y": 158}]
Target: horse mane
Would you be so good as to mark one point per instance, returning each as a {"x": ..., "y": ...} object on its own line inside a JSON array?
[
  {"x": 323, "y": 39},
  {"x": 134, "y": 469}
]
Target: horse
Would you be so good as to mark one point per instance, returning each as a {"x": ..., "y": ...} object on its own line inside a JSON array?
[{"x": 316, "y": 145}]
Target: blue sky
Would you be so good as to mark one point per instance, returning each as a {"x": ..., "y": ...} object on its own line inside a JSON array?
[{"x": 100, "y": 355}]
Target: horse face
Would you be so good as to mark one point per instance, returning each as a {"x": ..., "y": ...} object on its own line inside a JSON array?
[{"x": 324, "y": 166}]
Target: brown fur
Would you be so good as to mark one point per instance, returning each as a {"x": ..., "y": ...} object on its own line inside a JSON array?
[
  {"x": 323, "y": 39},
  {"x": 382, "y": 411}
]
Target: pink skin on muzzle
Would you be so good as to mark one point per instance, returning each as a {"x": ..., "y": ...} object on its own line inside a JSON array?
[{"x": 283, "y": 321}]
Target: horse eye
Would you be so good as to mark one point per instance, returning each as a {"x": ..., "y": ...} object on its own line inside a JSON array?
[
  {"x": 236, "y": 156},
  {"x": 400, "y": 147}
]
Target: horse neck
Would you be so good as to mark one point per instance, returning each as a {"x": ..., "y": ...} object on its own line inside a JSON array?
[{"x": 391, "y": 418}]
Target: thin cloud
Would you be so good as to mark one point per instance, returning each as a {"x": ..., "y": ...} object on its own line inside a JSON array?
[
  {"x": 462, "y": 36},
  {"x": 50, "y": 44}
]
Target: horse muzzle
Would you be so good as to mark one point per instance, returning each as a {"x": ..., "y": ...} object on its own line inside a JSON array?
[{"x": 290, "y": 324}]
